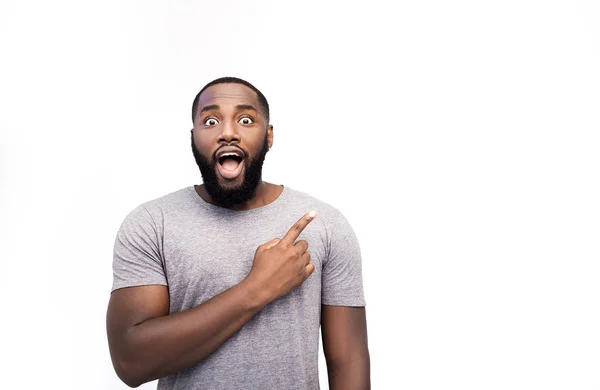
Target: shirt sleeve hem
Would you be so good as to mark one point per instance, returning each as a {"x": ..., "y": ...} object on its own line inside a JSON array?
[
  {"x": 357, "y": 302},
  {"x": 121, "y": 285}
]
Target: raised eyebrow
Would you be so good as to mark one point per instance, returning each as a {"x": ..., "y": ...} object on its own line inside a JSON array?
[
  {"x": 241, "y": 107},
  {"x": 208, "y": 108}
]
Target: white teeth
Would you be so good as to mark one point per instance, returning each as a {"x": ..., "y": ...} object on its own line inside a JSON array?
[{"x": 229, "y": 154}]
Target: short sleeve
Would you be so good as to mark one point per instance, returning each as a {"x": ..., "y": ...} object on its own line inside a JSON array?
[
  {"x": 137, "y": 255},
  {"x": 342, "y": 271}
]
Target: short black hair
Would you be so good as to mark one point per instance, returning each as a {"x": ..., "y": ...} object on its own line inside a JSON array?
[{"x": 262, "y": 100}]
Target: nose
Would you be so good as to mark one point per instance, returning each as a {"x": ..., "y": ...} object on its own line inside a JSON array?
[{"x": 229, "y": 133}]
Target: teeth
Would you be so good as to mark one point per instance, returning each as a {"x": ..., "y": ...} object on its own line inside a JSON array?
[{"x": 229, "y": 154}]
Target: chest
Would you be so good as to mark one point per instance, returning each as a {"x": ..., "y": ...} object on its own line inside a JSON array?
[{"x": 204, "y": 257}]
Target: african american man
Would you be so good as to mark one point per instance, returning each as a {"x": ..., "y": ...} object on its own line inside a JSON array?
[{"x": 225, "y": 285}]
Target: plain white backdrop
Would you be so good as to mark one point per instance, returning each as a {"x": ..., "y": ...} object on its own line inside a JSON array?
[{"x": 461, "y": 139}]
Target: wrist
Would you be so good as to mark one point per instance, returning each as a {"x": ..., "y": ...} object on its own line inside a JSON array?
[{"x": 255, "y": 293}]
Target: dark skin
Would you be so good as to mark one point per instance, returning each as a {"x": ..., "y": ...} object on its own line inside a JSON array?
[{"x": 147, "y": 343}]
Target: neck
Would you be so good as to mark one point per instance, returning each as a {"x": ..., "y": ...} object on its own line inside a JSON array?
[{"x": 265, "y": 194}]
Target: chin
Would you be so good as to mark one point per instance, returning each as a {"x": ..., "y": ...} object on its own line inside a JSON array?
[{"x": 231, "y": 185}]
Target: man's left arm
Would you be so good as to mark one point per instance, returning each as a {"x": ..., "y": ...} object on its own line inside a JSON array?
[
  {"x": 344, "y": 330},
  {"x": 343, "y": 323}
]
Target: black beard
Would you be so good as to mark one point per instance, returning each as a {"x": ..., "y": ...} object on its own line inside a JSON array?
[{"x": 227, "y": 197}]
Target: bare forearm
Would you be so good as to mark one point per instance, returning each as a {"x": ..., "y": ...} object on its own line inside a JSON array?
[{"x": 166, "y": 345}]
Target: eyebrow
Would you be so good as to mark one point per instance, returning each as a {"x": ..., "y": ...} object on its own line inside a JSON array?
[
  {"x": 208, "y": 108},
  {"x": 245, "y": 107},
  {"x": 239, "y": 107}
]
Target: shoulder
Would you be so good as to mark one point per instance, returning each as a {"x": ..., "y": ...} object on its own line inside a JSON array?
[
  {"x": 328, "y": 215},
  {"x": 154, "y": 210}
]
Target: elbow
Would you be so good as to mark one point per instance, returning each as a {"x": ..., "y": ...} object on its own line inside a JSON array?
[
  {"x": 356, "y": 362},
  {"x": 130, "y": 363},
  {"x": 129, "y": 372}
]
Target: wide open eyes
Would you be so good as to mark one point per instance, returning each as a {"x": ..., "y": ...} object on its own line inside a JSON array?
[
  {"x": 246, "y": 120},
  {"x": 210, "y": 122}
]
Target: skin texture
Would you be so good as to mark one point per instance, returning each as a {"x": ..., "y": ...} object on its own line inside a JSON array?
[{"x": 147, "y": 343}]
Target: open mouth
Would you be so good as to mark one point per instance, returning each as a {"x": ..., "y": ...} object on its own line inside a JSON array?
[{"x": 229, "y": 162}]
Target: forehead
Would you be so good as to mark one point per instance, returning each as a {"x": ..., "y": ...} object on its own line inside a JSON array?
[{"x": 229, "y": 94}]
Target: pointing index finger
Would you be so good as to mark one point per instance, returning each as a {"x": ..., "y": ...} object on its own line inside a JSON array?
[{"x": 298, "y": 227}]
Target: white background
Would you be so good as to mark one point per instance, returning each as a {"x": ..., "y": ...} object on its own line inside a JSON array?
[{"x": 461, "y": 139}]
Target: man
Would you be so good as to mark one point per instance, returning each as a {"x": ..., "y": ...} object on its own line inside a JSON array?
[{"x": 224, "y": 285}]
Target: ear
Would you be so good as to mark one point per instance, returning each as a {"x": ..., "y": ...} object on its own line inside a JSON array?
[{"x": 270, "y": 136}]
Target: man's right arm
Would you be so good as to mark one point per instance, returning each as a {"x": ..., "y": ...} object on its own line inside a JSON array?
[{"x": 147, "y": 343}]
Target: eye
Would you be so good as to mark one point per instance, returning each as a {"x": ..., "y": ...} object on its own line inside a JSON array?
[
  {"x": 210, "y": 122},
  {"x": 246, "y": 121}
]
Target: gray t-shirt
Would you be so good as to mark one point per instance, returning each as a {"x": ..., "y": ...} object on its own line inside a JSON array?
[{"x": 199, "y": 250}]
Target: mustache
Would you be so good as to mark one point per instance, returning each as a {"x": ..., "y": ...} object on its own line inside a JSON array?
[
  {"x": 247, "y": 157},
  {"x": 214, "y": 155}
]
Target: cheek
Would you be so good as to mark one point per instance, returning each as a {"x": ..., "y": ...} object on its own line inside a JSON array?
[
  {"x": 201, "y": 142},
  {"x": 256, "y": 141}
]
